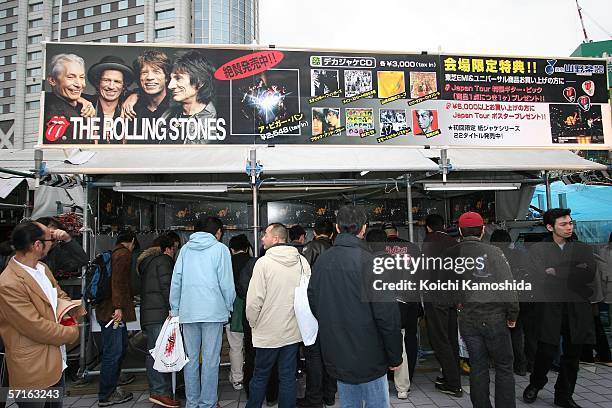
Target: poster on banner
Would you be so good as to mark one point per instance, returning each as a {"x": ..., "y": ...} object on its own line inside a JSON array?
[{"x": 125, "y": 95}]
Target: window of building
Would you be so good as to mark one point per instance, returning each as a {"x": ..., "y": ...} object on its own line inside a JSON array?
[
  {"x": 3, "y": 29},
  {"x": 122, "y": 5},
  {"x": 139, "y": 37},
  {"x": 88, "y": 12},
  {"x": 35, "y": 39},
  {"x": 71, "y": 32},
  {"x": 55, "y": 18},
  {"x": 139, "y": 3},
  {"x": 34, "y": 72},
  {"x": 88, "y": 28},
  {"x": 3, "y": 45},
  {"x": 34, "y": 55},
  {"x": 122, "y": 22},
  {"x": 105, "y": 25},
  {"x": 36, "y": 7},
  {"x": 105, "y": 40},
  {"x": 72, "y": 15},
  {"x": 3, "y": 13},
  {"x": 12, "y": 75},
  {"x": 164, "y": 14},
  {"x": 8, "y": 108},
  {"x": 122, "y": 38},
  {"x": 36, "y": 23},
  {"x": 164, "y": 33},
  {"x": 34, "y": 88},
  {"x": 140, "y": 19},
  {"x": 72, "y": 1},
  {"x": 32, "y": 105},
  {"x": 8, "y": 92},
  {"x": 106, "y": 8}
]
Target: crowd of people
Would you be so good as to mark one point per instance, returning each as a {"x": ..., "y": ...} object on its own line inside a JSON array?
[{"x": 361, "y": 341}]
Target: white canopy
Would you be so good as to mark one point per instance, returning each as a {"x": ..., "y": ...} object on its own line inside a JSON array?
[
  {"x": 518, "y": 160},
  {"x": 233, "y": 159}
]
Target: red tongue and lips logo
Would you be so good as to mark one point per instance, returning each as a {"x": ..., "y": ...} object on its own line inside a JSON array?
[
  {"x": 584, "y": 102},
  {"x": 56, "y": 127},
  {"x": 570, "y": 94}
]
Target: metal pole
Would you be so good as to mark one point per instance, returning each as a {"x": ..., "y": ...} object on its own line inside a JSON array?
[
  {"x": 26, "y": 208},
  {"x": 84, "y": 327},
  {"x": 444, "y": 164},
  {"x": 548, "y": 192},
  {"x": 254, "y": 188},
  {"x": 409, "y": 200}
]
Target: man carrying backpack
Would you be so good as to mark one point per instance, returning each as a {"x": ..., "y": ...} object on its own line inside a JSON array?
[{"x": 112, "y": 313}]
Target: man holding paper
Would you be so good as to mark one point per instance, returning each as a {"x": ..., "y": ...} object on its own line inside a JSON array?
[{"x": 29, "y": 298}]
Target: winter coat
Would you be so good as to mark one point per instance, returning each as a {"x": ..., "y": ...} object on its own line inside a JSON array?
[
  {"x": 66, "y": 258},
  {"x": 359, "y": 340},
  {"x": 269, "y": 302},
  {"x": 314, "y": 248},
  {"x": 575, "y": 271},
  {"x": 156, "y": 275},
  {"x": 202, "y": 288},
  {"x": 122, "y": 298}
]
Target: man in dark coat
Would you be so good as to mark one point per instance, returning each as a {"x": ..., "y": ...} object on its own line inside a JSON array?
[
  {"x": 360, "y": 340},
  {"x": 156, "y": 274},
  {"x": 66, "y": 255},
  {"x": 441, "y": 315},
  {"x": 565, "y": 268},
  {"x": 320, "y": 386}
]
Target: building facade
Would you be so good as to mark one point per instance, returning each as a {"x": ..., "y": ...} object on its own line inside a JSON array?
[{"x": 25, "y": 24}]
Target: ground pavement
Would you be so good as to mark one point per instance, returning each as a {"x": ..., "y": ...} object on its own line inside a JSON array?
[{"x": 593, "y": 390}]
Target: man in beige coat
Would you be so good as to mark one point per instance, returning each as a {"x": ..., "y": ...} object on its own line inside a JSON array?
[
  {"x": 269, "y": 310},
  {"x": 28, "y": 306}
]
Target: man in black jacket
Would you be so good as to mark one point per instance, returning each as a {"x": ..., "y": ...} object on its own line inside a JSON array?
[
  {"x": 360, "y": 340},
  {"x": 566, "y": 268},
  {"x": 485, "y": 315},
  {"x": 66, "y": 255},
  {"x": 320, "y": 386},
  {"x": 156, "y": 275}
]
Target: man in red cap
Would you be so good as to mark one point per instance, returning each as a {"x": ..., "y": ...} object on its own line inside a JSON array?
[{"x": 485, "y": 314}]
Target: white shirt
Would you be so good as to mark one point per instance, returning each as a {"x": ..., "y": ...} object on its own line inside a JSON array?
[{"x": 45, "y": 284}]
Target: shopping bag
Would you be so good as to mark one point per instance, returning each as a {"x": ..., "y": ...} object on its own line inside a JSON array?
[
  {"x": 307, "y": 323},
  {"x": 238, "y": 311},
  {"x": 169, "y": 352},
  {"x": 463, "y": 350}
]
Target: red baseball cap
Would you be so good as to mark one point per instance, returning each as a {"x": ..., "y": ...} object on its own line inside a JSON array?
[{"x": 470, "y": 219}]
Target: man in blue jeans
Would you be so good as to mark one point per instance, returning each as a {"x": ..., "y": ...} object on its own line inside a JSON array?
[
  {"x": 202, "y": 295},
  {"x": 112, "y": 315},
  {"x": 485, "y": 316},
  {"x": 360, "y": 339},
  {"x": 269, "y": 310}
]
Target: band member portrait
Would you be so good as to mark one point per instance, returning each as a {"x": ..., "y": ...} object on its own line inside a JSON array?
[
  {"x": 67, "y": 80},
  {"x": 192, "y": 89},
  {"x": 152, "y": 98},
  {"x": 110, "y": 77}
]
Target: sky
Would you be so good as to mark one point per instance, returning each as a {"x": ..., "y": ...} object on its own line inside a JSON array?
[{"x": 497, "y": 27}]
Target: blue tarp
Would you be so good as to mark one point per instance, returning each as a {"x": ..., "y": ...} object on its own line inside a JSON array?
[{"x": 591, "y": 207}]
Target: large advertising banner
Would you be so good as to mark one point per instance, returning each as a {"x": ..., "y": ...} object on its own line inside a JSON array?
[{"x": 134, "y": 94}]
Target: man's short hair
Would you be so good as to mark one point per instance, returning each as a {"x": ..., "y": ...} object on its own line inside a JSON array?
[
  {"x": 296, "y": 232},
  {"x": 351, "y": 219},
  {"x": 323, "y": 226},
  {"x": 471, "y": 232},
  {"x": 25, "y": 234},
  {"x": 550, "y": 216},
  {"x": 239, "y": 243},
  {"x": 435, "y": 222},
  {"x": 126, "y": 236},
  {"x": 500, "y": 235},
  {"x": 56, "y": 66},
  {"x": 278, "y": 230},
  {"x": 376, "y": 235},
  {"x": 208, "y": 224},
  {"x": 51, "y": 222},
  {"x": 200, "y": 71},
  {"x": 165, "y": 242},
  {"x": 174, "y": 237},
  {"x": 155, "y": 58}
]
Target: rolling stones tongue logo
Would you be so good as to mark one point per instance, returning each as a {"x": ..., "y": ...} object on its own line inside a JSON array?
[
  {"x": 588, "y": 87},
  {"x": 584, "y": 102},
  {"x": 570, "y": 94},
  {"x": 56, "y": 127}
]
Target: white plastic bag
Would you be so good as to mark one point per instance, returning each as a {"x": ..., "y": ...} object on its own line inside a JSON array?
[
  {"x": 169, "y": 352},
  {"x": 308, "y": 325}
]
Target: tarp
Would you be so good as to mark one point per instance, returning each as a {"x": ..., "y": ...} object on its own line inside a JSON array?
[
  {"x": 518, "y": 160},
  {"x": 233, "y": 159}
]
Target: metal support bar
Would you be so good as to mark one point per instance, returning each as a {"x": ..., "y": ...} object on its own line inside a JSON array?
[
  {"x": 548, "y": 192},
  {"x": 16, "y": 173},
  {"x": 409, "y": 201},
  {"x": 253, "y": 182},
  {"x": 84, "y": 327}
]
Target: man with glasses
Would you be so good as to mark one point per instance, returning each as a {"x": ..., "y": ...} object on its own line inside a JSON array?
[
  {"x": 34, "y": 339},
  {"x": 202, "y": 295},
  {"x": 565, "y": 268}
]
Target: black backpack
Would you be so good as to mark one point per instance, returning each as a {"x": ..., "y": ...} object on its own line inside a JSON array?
[{"x": 98, "y": 279}]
